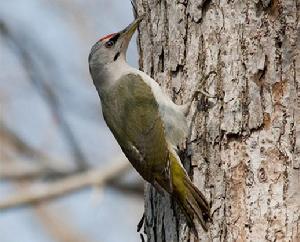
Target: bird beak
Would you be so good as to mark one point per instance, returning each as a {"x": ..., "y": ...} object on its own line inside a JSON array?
[{"x": 128, "y": 32}]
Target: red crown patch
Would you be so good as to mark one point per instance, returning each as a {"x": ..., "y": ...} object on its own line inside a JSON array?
[{"x": 107, "y": 37}]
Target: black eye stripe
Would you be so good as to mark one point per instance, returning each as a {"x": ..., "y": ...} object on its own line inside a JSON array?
[{"x": 115, "y": 38}]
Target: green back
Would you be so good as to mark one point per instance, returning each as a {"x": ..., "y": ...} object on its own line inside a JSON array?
[{"x": 131, "y": 112}]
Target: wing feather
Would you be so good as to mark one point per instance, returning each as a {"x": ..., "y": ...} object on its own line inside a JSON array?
[{"x": 132, "y": 113}]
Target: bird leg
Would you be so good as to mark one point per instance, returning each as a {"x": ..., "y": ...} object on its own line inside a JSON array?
[{"x": 187, "y": 106}]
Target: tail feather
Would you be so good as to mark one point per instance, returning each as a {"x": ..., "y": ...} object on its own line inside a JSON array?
[
  {"x": 199, "y": 197},
  {"x": 188, "y": 196},
  {"x": 197, "y": 206}
]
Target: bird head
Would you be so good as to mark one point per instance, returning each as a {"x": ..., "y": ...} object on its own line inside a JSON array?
[{"x": 110, "y": 49}]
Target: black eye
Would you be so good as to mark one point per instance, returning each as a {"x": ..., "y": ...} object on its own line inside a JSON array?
[{"x": 109, "y": 44}]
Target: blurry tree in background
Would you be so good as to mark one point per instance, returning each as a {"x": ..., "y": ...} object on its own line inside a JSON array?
[
  {"x": 244, "y": 152},
  {"x": 52, "y": 137}
]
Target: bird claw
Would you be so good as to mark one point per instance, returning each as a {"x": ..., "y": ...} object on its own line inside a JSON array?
[
  {"x": 204, "y": 105},
  {"x": 186, "y": 107},
  {"x": 201, "y": 83},
  {"x": 204, "y": 93}
]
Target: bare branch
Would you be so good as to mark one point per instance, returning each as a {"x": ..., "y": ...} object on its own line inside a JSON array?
[
  {"x": 59, "y": 227},
  {"x": 135, "y": 188},
  {"x": 55, "y": 221},
  {"x": 67, "y": 185},
  {"x": 21, "y": 171},
  {"x": 45, "y": 165},
  {"x": 45, "y": 90},
  {"x": 20, "y": 145}
]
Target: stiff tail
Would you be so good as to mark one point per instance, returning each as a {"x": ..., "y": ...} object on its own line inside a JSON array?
[
  {"x": 191, "y": 200},
  {"x": 195, "y": 205}
]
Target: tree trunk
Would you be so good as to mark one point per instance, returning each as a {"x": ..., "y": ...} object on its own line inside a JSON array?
[{"x": 243, "y": 152}]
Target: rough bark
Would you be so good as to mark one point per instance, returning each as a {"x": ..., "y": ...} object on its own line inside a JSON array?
[{"x": 244, "y": 152}]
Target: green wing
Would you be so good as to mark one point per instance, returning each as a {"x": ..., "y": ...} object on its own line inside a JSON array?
[{"x": 131, "y": 112}]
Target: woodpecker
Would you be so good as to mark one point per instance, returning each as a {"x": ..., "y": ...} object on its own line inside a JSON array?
[{"x": 146, "y": 123}]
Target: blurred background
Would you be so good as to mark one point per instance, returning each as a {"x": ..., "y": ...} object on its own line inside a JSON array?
[{"x": 51, "y": 126}]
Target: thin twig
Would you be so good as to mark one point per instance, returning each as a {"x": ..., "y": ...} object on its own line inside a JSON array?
[
  {"x": 45, "y": 167},
  {"x": 23, "y": 172},
  {"x": 64, "y": 186},
  {"x": 58, "y": 226},
  {"x": 54, "y": 221},
  {"x": 45, "y": 90},
  {"x": 10, "y": 137}
]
